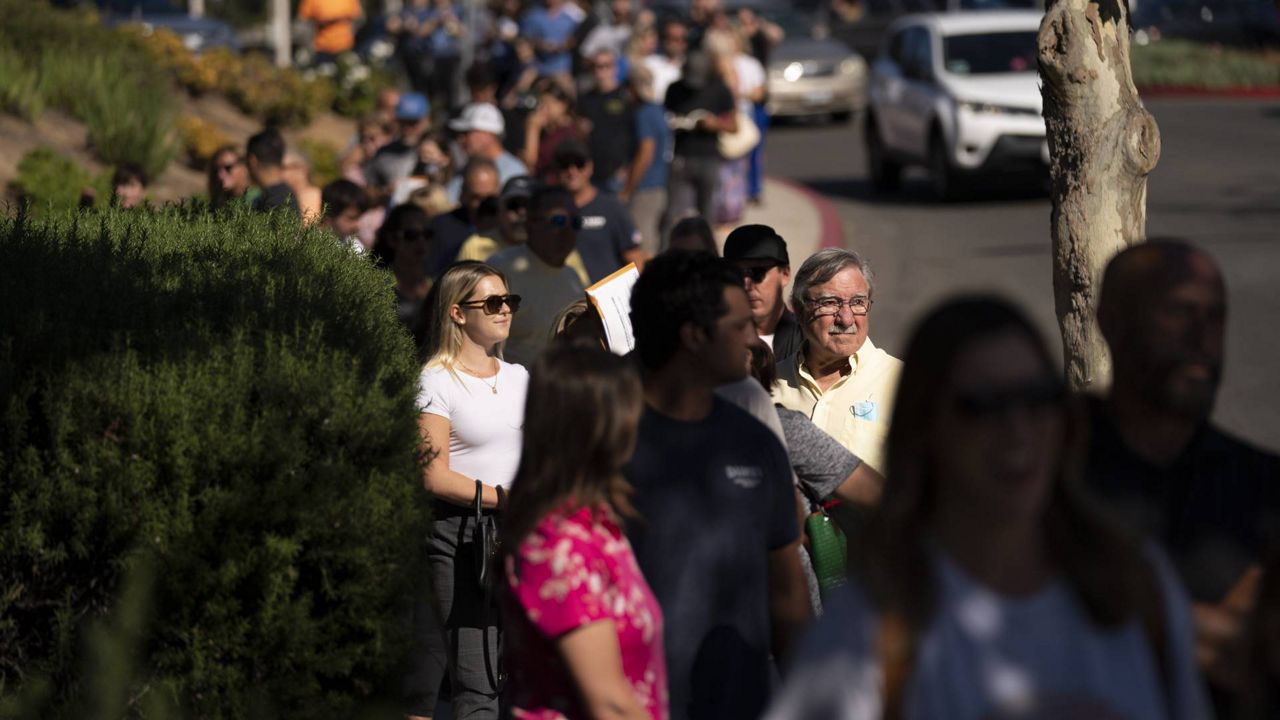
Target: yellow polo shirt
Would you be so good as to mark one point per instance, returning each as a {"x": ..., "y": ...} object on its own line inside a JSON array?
[{"x": 856, "y": 409}]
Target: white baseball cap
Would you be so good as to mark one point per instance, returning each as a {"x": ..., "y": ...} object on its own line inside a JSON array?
[{"x": 479, "y": 116}]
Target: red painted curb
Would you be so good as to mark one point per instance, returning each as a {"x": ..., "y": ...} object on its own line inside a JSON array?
[
  {"x": 1269, "y": 91},
  {"x": 832, "y": 232}
]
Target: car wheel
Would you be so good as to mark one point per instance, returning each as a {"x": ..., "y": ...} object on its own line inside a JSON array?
[
  {"x": 942, "y": 176},
  {"x": 886, "y": 175}
]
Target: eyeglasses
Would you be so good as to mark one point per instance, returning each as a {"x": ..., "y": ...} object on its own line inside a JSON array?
[
  {"x": 991, "y": 402},
  {"x": 227, "y": 167},
  {"x": 858, "y": 305},
  {"x": 563, "y": 221},
  {"x": 492, "y": 305},
  {"x": 415, "y": 235},
  {"x": 516, "y": 205},
  {"x": 756, "y": 274},
  {"x": 575, "y": 163}
]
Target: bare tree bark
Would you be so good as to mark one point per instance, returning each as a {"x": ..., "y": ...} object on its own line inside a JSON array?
[{"x": 1102, "y": 145}]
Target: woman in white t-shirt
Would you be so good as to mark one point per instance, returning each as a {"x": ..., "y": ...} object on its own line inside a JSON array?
[
  {"x": 745, "y": 76},
  {"x": 472, "y": 406},
  {"x": 985, "y": 586}
]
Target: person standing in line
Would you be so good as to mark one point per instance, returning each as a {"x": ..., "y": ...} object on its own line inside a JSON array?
[
  {"x": 552, "y": 122},
  {"x": 584, "y": 631},
  {"x": 746, "y": 79},
  {"x": 610, "y": 114},
  {"x": 645, "y": 191},
  {"x": 480, "y": 129},
  {"x": 702, "y": 107},
  {"x": 445, "y": 31},
  {"x": 668, "y": 65},
  {"x": 719, "y": 543},
  {"x": 402, "y": 245},
  {"x": 839, "y": 378},
  {"x": 1159, "y": 462},
  {"x": 265, "y": 158},
  {"x": 761, "y": 254},
  {"x": 986, "y": 585},
  {"x": 480, "y": 185},
  {"x": 395, "y": 160},
  {"x": 344, "y": 204},
  {"x": 551, "y": 28},
  {"x": 228, "y": 181},
  {"x": 472, "y": 406},
  {"x": 297, "y": 175},
  {"x": 607, "y": 239},
  {"x": 334, "y": 22},
  {"x": 760, "y": 36},
  {"x": 129, "y": 186},
  {"x": 538, "y": 272}
]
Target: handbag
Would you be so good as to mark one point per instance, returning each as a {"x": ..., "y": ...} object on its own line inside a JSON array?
[
  {"x": 484, "y": 541},
  {"x": 739, "y": 144},
  {"x": 828, "y": 548}
]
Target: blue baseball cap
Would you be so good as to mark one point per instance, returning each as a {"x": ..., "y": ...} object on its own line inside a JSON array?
[{"x": 412, "y": 106}]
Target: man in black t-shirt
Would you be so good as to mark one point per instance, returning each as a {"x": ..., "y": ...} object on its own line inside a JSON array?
[
  {"x": 612, "y": 114},
  {"x": 719, "y": 535},
  {"x": 703, "y": 108},
  {"x": 264, "y": 156},
  {"x": 1211, "y": 500}
]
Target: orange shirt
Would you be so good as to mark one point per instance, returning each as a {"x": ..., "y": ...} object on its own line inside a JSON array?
[{"x": 335, "y": 23}]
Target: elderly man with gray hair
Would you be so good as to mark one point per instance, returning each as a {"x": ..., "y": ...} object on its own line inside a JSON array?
[{"x": 840, "y": 379}]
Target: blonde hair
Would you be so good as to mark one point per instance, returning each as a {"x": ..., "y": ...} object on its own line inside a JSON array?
[{"x": 444, "y": 342}]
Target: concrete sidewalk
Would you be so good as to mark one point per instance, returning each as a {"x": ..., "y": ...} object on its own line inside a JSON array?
[{"x": 805, "y": 219}]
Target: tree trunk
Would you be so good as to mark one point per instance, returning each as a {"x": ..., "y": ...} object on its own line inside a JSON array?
[
  {"x": 1102, "y": 145},
  {"x": 280, "y": 39}
]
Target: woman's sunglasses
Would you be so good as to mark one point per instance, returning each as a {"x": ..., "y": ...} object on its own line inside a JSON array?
[{"x": 492, "y": 305}]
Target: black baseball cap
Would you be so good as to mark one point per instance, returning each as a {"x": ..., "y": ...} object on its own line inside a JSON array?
[
  {"x": 520, "y": 186},
  {"x": 756, "y": 242}
]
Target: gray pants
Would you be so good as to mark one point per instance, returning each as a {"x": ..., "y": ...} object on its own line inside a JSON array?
[
  {"x": 647, "y": 207},
  {"x": 692, "y": 184},
  {"x": 469, "y": 619}
]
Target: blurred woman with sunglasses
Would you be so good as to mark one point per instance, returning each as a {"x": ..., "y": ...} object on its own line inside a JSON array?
[
  {"x": 402, "y": 244},
  {"x": 985, "y": 585},
  {"x": 585, "y": 631},
  {"x": 472, "y": 406},
  {"x": 228, "y": 179}
]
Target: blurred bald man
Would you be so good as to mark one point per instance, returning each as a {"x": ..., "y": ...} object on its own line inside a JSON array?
[{"x": 1210, "y": 499}]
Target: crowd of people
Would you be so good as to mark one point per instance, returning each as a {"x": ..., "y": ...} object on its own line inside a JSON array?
[{"x": 634, "y": 537}]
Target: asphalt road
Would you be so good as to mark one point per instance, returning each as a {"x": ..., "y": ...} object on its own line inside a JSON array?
[{"x": 1217, "y": 184}]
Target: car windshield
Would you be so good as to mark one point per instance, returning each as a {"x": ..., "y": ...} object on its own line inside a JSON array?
[
  {"x": 990, "y": 53},
  {"x": 146, "y": 7}
]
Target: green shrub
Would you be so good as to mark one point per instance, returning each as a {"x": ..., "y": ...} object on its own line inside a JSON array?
[
  {"x": 101, "y": 76},
  {"x": 19, "y": 86},
  {"x": 227, "y": 403},
  {"x": 325, "y": 167},
  {"x": 50, "y": 182},
  {"x": 1181, "y": 63}
]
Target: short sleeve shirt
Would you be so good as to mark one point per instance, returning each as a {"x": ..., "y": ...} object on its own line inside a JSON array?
[
  {"x": 577, "y": 568},
  {"x": 651, "y": 124},
  {"x": 613, "y": 127},
  {"x": 821, "y": 463},
  {"x": 715, "y": 497},
  {"x": 539, "y": 25},
  {"x": 683, "y": 99},
  {"x": 607, "y": 232},
  {"x": 486, "y": 428},
  {"x": 856, "y": 409}
]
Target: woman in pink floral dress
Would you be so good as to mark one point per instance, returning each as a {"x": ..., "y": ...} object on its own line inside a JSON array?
[{"x": 584, "y": 632}]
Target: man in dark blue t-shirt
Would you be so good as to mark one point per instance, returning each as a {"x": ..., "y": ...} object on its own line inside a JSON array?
[
  {"x": 718, "y": 534},
  {"x": 607, "y": 239}
]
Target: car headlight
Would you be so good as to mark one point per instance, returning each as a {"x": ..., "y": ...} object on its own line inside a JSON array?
[
  {"x": 992, "y": 109},
  {"x": 851, "y": 65},
  {"x": 793, "y": 72}
]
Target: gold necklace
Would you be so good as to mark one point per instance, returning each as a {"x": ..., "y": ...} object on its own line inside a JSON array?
[{"x": 476, "y": 375}]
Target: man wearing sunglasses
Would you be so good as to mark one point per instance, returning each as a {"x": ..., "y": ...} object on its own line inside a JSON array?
[
  {"x": 607, "y": 239},
  {"x": 761, "y": 254},
  {"x": 537, "y": 271},
  {"x": 839, "y": 378}
]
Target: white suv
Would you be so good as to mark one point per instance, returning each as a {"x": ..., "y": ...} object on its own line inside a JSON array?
[{"x": 956, "y": 92}]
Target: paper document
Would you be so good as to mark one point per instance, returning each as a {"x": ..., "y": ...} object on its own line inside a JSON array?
[{"x": 612, "y": 298}]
